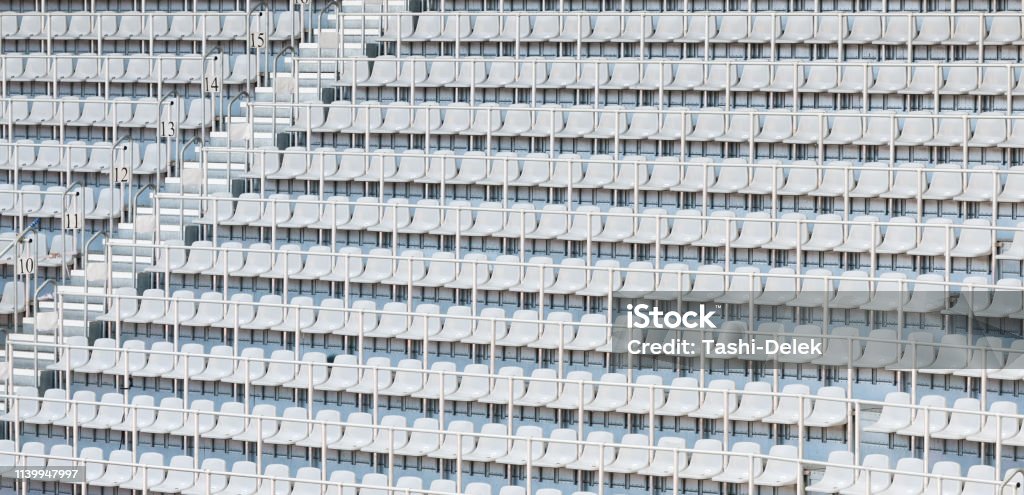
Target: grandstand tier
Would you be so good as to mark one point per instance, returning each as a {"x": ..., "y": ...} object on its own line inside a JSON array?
[{"x": 512, "y": 247}]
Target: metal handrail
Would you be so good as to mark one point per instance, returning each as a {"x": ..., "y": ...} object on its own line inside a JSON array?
[
  {"x": 571, "y": 109},
  {"x": 295, "y": 80},
  {"x": 676, "y": 111},
  {"x": 23, "y": 235},
  {"x": 173, "y": 114},
  {"x": 227, "y": 126},
  {"x": 219, "y": 78},
  {"x": 1008, "y": 477},
  {"x": 951, "y": 16},
  {"x": 97, "y": 235},
  {"x": 35, "y": 324},
  {"x": 80, "y": 219},
  {"x": 41, "y": 192},
  {"x": 39, "y": 289},
  {"x": 683, "y": 62},
  {"x": 325, "y": 10},
  {"x": 156, "y": 221},
  {"x": 85, "y": 277},
  {"x": 250, "y": 39},
  {"x": 65, "y": 99},
  {"x": 181, "y": 151},
  {"x": 125, "y": 158},
  {"x": 128, "y": 138},
  {"x": 603, "y": 159}
]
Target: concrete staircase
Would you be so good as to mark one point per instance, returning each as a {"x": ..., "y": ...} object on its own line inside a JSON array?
[{"x": 130, "y": 247}]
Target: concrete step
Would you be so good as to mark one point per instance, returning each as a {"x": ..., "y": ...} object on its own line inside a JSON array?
[
  {"x": 214, "y": 166},
  {"x": 31, "y": 352},
  {"x": 95, "y": 304},
  {"x": 212, "y": 179},
  {"x": 78, "y": 290},
  {"x": 118, "y": 275},
  {"x": 16, "y": 338},
  {"x": 170, "y": 214}
]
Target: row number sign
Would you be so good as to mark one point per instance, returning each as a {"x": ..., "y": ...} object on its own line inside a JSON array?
[
  {"x": 212, "y": 83},
  {"x": 122, "y": 174},
  {"x": 168, "y": 129},
  {"x": 258, "y": 39},
  {"x": 26, "y": 264},
  {"x": 72, "y": 220}
]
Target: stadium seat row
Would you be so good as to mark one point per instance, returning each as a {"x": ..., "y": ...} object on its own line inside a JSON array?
[
  {"x": 708, "y": 459},
  {"x": 63, "y": 248},
  {"x": 635, "y": 172},
  {"x": 123, "y": 112},
  {"x": 29, "y": 200},
  {"x": 721, "y": 228},
  {"x": 128, "y": 26},
  {"x": 825, "y": 409},
  {"x": 815, "y": 287},
  {"x": 842, "y": 346},
  {"x": 28, "y": 155},
  {"x": 735, "y": 76},
  {"x": 150, "y": 473},
  {"x": 126, "y": 70},
  {"x": 615, "y": 122},
  {"x": 787, "y": 28}
]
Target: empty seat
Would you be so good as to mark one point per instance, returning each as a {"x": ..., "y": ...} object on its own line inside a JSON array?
[
  {"x": 836, "y": 476},
  {"x": 869, "y": 479}
]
